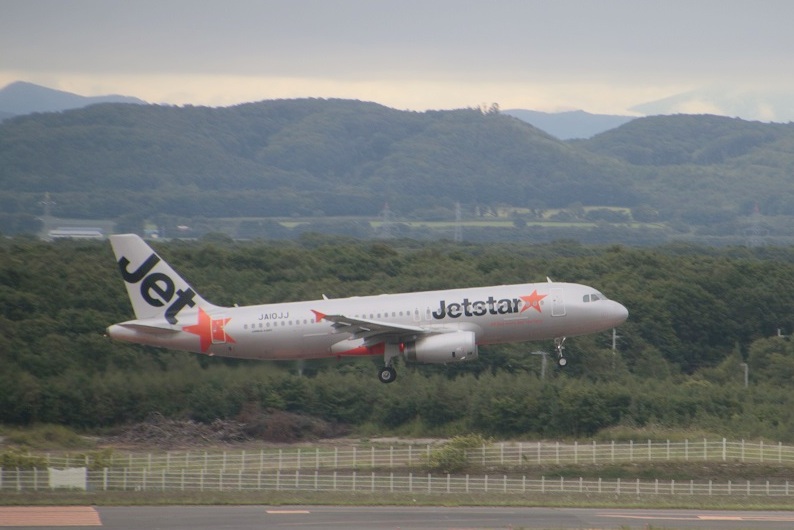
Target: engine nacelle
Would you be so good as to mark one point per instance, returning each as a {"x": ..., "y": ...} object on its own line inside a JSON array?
[{"x": 442, "y": 348}]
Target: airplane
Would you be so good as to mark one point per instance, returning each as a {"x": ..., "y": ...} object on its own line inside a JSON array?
[{"x": 432, "y": 327}]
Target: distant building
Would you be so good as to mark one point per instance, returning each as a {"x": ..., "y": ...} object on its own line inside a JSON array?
[{"x": 76, "y": 233}]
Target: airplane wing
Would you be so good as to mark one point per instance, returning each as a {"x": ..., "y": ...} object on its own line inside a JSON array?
[{"x": 368, "y": 329}]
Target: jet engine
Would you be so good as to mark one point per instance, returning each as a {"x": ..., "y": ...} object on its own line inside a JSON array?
[{"x": 442, "y": 348}]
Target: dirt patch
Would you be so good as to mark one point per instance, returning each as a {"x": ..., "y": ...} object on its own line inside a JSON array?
[{"x": 252, "y": 426}]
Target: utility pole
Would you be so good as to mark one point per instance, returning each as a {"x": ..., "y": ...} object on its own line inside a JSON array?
[
  {"x": 755, "y": 233},
  {"x": 458, "y": 225},
  {"x": 746, "y": 374},
  {"x": 544, "y": 361},
  {"x": 615, "y": 337},
  {"x": 386, "y": 224},
  {"x": 47, "y": 203}
]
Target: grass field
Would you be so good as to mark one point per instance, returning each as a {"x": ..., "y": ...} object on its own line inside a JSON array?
[{"x": 115, "y": 498}]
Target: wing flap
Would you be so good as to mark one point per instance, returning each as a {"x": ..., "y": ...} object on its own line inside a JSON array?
[{"x": 367, "y": 329}]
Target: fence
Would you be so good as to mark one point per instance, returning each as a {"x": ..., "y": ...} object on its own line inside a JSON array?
[
  {"x": 123, "y": 479},
  {"x": 513, "y": 455}
]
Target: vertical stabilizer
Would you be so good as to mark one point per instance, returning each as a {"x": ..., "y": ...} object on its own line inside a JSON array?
[{"x": 155, "y": 289}]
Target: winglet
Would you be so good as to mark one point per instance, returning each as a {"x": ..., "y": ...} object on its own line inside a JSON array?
[{"x": 318, "y": 316}]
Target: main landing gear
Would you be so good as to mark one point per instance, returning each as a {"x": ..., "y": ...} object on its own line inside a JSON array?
[
  {"x": 388, "y": 374},
  {"x": 558, "y": 347}
]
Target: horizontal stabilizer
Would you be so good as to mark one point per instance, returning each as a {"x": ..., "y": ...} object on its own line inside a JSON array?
[{"x": 147, "y": 327}]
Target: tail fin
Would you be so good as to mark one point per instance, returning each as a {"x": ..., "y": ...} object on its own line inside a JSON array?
[{"x": 155, "y": 289}]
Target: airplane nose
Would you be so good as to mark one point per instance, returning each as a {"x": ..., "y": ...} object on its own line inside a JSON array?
[{"x": 618, "y": 314}]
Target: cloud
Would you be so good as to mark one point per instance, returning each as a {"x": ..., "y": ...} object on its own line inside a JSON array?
[{"x": 407, "y": 53}]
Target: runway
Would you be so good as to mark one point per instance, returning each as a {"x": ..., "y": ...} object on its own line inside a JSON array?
[{"x": 380, "y": 517}]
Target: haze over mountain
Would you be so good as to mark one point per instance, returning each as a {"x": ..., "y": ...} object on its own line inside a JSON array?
[
  {"x": 571, "y": 124},
  {"x": 768, "y": 106},
  {"x": 20, "y": 98}
]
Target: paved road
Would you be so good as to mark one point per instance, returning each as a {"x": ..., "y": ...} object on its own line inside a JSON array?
[{"x": 385, "y": 517}]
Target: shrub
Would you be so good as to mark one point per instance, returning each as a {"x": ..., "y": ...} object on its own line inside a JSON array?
[{"x": 451, "y": 457}]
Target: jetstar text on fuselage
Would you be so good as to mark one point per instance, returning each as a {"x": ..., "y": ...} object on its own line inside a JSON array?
[{"x": 491, "y": 306}]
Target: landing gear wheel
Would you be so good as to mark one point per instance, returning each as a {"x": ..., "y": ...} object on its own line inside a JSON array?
[{"x": 387, "y": 374}]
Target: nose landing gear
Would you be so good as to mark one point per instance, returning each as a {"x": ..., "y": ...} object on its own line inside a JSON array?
[
  {"x": 387, "y": 374},
  {"x": 558, "y": 347}
]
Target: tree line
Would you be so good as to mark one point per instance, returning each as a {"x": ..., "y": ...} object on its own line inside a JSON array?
[{"x": 697, "y": 316}]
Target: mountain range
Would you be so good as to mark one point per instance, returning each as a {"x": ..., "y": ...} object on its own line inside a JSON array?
[
  {"x": 20, "y": 98},
  {"x": 318, "y": 158}
]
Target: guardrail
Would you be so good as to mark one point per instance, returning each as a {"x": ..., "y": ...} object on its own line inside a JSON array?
[
  {"x": 514, "y": 455},
  {"x": 122, "y": 479}
]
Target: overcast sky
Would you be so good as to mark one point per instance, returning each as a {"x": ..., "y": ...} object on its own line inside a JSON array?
[{"x": 603, "y": 56}]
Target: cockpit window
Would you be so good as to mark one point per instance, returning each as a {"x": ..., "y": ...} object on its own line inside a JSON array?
[{"x": 593, "y": 297}]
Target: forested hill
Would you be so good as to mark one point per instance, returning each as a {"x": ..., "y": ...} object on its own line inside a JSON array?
[
  {"x": 706, "y": 169},
  {"x": 315, "y": 157},
  {"x": 290, "y": 157}
]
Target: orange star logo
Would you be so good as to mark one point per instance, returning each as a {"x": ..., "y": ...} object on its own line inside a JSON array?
[
  {"x": 532, "y": 301},
  {"x": 209, "y": 330}
]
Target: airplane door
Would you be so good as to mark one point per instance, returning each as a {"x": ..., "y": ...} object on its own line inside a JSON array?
[
  {"x": 217, "y": 330},
  {"x": 419, "y": 317},
  {"x": 557, "y": 302}
]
